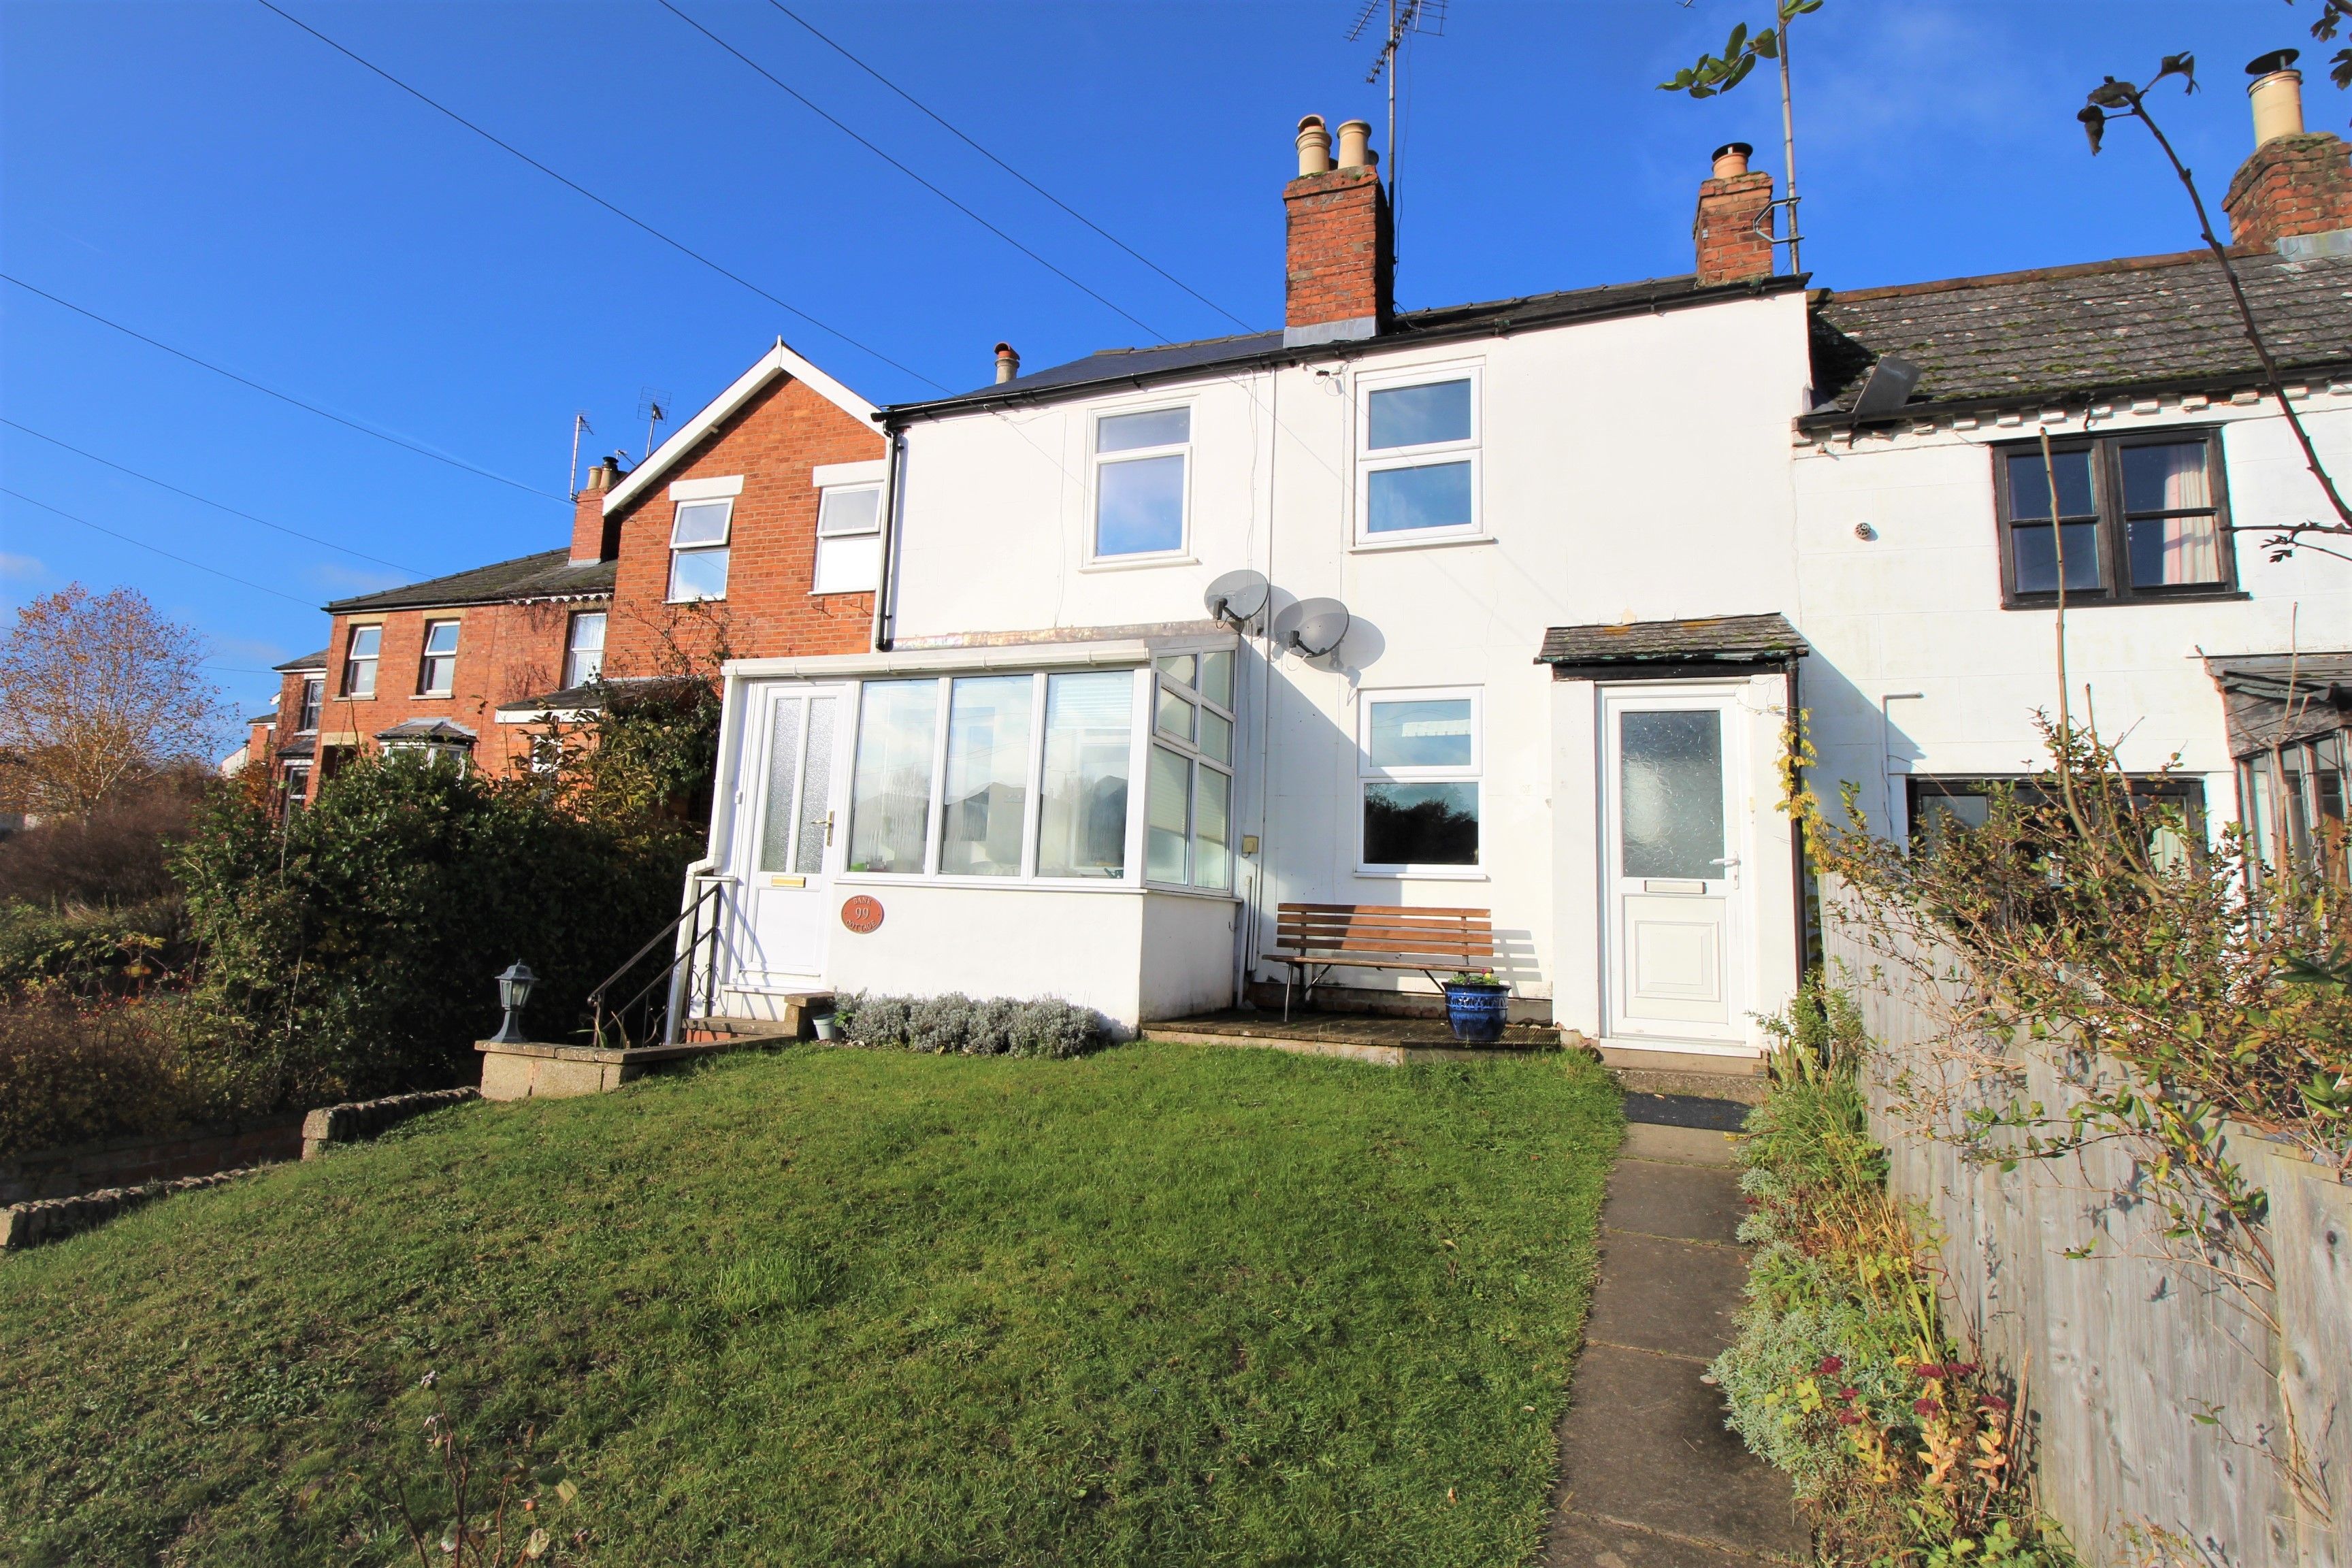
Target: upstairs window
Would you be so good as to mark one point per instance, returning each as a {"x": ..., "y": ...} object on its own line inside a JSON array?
[
  {"x": 1419, "y": 474},
  {"x": 359, "y": 660},
  {"x": 2136, "y": 517},
  {"x": 583, "y": 652},
  {"x": 1140, "y": 482},
  {"x": 849, "y": 541},
  {"x": 314, "y": 696},
  {"x": 1418, "y": 753},
  {"x": 436, "y": 672},
  {"x": 698, "y": 549}
]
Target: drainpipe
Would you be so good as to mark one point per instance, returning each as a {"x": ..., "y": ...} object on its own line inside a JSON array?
[{"x": 882, "y": 631}]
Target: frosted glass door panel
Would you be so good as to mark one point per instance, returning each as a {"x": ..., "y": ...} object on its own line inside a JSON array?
[{"x": 1671, "y": 793}]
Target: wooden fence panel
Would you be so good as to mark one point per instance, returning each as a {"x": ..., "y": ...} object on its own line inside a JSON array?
[{"x": 2123, "y": 1351}]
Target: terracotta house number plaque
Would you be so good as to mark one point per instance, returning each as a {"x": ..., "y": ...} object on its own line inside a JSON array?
[{"x": 862, "y": 914}]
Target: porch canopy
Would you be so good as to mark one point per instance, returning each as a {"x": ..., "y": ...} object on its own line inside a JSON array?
[
  {"x": 1674, "y": 650},
  {"x": 2278, "y": 698}
]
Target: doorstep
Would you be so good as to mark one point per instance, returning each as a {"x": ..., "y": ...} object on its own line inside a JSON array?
[
  {"x": 529, "y": 1070},
  {"x": 1687, "y": 1074}
]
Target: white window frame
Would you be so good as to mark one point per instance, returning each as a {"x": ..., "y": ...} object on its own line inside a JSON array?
[
  {"x": 1097, "y": 459},
  {"x": 725, "y": 541},
  {"x": 374, "y": 661},
  {"x": 1202, "y": 761},
  {"x": 426, "y": 658},
  {"x": 869, "y": 535},
  {"x": 1368, "y": 774},
  {"x": 572, "y": 649},
  {"x": 305, "y": 709},
  {"x": 1144, "y": 707},
  {"x": 1369, "y": 462}
]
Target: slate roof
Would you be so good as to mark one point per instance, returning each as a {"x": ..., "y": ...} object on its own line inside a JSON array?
[
  {"x": 2141, "y": 323},
  {"x": 2264, "y": 710},
  {"x": 308, "y": 661},
  {"x": 1410, "y": 329},
  {"x": 1717, "y": 639},
  {"x": 549, "y": 574},
  {"x": 427, "y": 730}
]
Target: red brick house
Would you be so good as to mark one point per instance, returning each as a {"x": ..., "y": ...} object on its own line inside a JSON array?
[{"x": 753, "y": 531}]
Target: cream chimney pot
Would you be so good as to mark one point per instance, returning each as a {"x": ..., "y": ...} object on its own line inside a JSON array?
[
  {"x": 1355, "y": 143},
  {"x": 1008, "y": 364},
  {"x": 1314, "y": 146},
  {"x": 2278, "y": 104},
  {"x": 1731, "y": 159}
]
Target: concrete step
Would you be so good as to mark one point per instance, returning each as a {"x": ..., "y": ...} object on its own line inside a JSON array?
[{"x": 1739, "y": 1078}]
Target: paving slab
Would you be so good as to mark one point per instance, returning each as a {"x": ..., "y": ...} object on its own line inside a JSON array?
[
  {"x": 1690, "y": 1203},
  {"x": 1682, "y": 1145},
  {"x": 1580, "y": 1541},
  {"x": 1675, "y": 1297},
  {"x": 1644, "y": 1443}
]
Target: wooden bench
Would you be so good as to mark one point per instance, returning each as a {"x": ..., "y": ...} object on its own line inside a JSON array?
[{"x": 1315, "y": 939}]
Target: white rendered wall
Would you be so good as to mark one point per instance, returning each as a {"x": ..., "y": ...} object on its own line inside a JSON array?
[
  {"x": 1917, "y": 609},
  {"x": 1012, "y": 941},
  {"x": 1631, "y": 469}
]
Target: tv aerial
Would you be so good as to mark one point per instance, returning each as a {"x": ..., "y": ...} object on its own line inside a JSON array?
[
  {"x": 653, "y": 407},
  {"x": 1237, "y": 599},
  {"x": 1312, "y": 628}
]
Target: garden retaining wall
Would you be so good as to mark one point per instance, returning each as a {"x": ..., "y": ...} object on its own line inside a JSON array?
[
  {"x": 2170, "y": 1406},
  {"x": 135, "y": 1161}
]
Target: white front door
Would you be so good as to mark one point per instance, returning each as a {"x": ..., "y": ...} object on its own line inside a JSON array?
[
  {"x": 784, "y": 819},
  {"x": 1671, "y": 840}
]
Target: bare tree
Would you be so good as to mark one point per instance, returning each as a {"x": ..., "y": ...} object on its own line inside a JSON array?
[{"x": 98, "y": 691}]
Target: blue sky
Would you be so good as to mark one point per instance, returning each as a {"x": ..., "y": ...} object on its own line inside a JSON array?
[{"x": 210, "y": 176}]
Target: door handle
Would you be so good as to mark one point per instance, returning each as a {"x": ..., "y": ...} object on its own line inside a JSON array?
[
  {"x": 828, "y": 830},
  {"x": 1730, "y": 864}
]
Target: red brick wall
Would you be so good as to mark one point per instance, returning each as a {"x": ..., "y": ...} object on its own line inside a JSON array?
[
  {"x": 773, "y": 442},
  {"x": 1340, "y": 263},
  {"x": 505, "y": 653},
  {"x": 1729, "y": 249},
  {"x": 2293, "y": 184}
]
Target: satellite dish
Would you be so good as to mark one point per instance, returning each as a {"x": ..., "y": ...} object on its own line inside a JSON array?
[
  {"x": 1312, "y": 626},
  {"x": 1237, "y": 599},
  {"x": 1886, "y": 388}
]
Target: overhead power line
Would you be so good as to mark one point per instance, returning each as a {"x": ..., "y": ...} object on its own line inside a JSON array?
[
  {"x": 402, "y": 441},
  {"x": 207, "y": 501},
  {"x": 944, "y": 125},
  {"x": 1109, "y": 304},
  {"x": 576, "y": 186},
  {"x": 101, "y": 528}
]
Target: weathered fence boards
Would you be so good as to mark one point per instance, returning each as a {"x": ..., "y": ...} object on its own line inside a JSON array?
[{"x": 2170, "y": 1405}]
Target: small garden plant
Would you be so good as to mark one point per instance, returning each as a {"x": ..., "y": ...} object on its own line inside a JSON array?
[
  {"x": 1901, "y": 1447},
  {"x": 956, "y": 1025}
]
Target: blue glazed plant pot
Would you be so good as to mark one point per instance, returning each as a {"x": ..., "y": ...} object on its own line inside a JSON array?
[{"x": 1477, "y": 1012}]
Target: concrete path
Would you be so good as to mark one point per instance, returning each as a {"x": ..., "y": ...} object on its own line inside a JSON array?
[{"x": 1650, "y": 1475}]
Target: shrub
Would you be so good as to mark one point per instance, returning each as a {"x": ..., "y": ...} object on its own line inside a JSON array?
[
  {"x": 117, "y": 854},
  {"x": 1844, "y": 1376},
  {"x": 91, "y": 953},
  {"x": 359, "y": 940},
  {"x": 1048, "y": 1026},
  {"x": 70, "y": 1074}
]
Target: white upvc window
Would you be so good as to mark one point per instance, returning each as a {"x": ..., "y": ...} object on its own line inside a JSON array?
[
  {"x": 436, "y": 671},
  {"x": 698, "y": 549},
  {"x": 359, "y": 656},
  {"x": 584, "y": 648},
  {"x": 1034, "y": 776},
  {"x": 850, "y": 539},
  {"x": 1420, "y": 755},
  {"x": 1188, "y": 833},
  {"x": 1417, "y": 464},
  {"x": 1142, "y": 483},
  {"x": 314, "y": 696}
]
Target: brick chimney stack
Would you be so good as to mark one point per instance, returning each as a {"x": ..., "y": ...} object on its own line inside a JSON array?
[
  {"x": 2296, "y": 184},
  {"x": 1341, "y": 264},
  {"x": 591, "y": 539},
  {"x": 1729, "y": 203}
]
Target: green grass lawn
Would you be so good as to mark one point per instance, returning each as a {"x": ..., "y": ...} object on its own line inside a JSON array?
[{"x": 1165, "y": 1304}]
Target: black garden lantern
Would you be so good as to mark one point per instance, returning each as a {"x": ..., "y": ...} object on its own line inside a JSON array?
[{"x": 514, "y": 990}]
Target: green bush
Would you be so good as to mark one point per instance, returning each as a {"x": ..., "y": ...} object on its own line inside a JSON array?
[
  {"x": 957, "y": 1024},
  {"x": 91, "y": 953},
  {"x": 355, "y": 946},
  {"x": 70, "y": 1073}
]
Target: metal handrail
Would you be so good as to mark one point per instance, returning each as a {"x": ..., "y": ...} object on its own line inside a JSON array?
[{"x": 665, "y": 1022}]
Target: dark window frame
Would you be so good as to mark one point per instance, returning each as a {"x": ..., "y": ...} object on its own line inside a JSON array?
[
  {"x": 2186, "y": 790},
  {"x": 2116, "y": 587}
]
